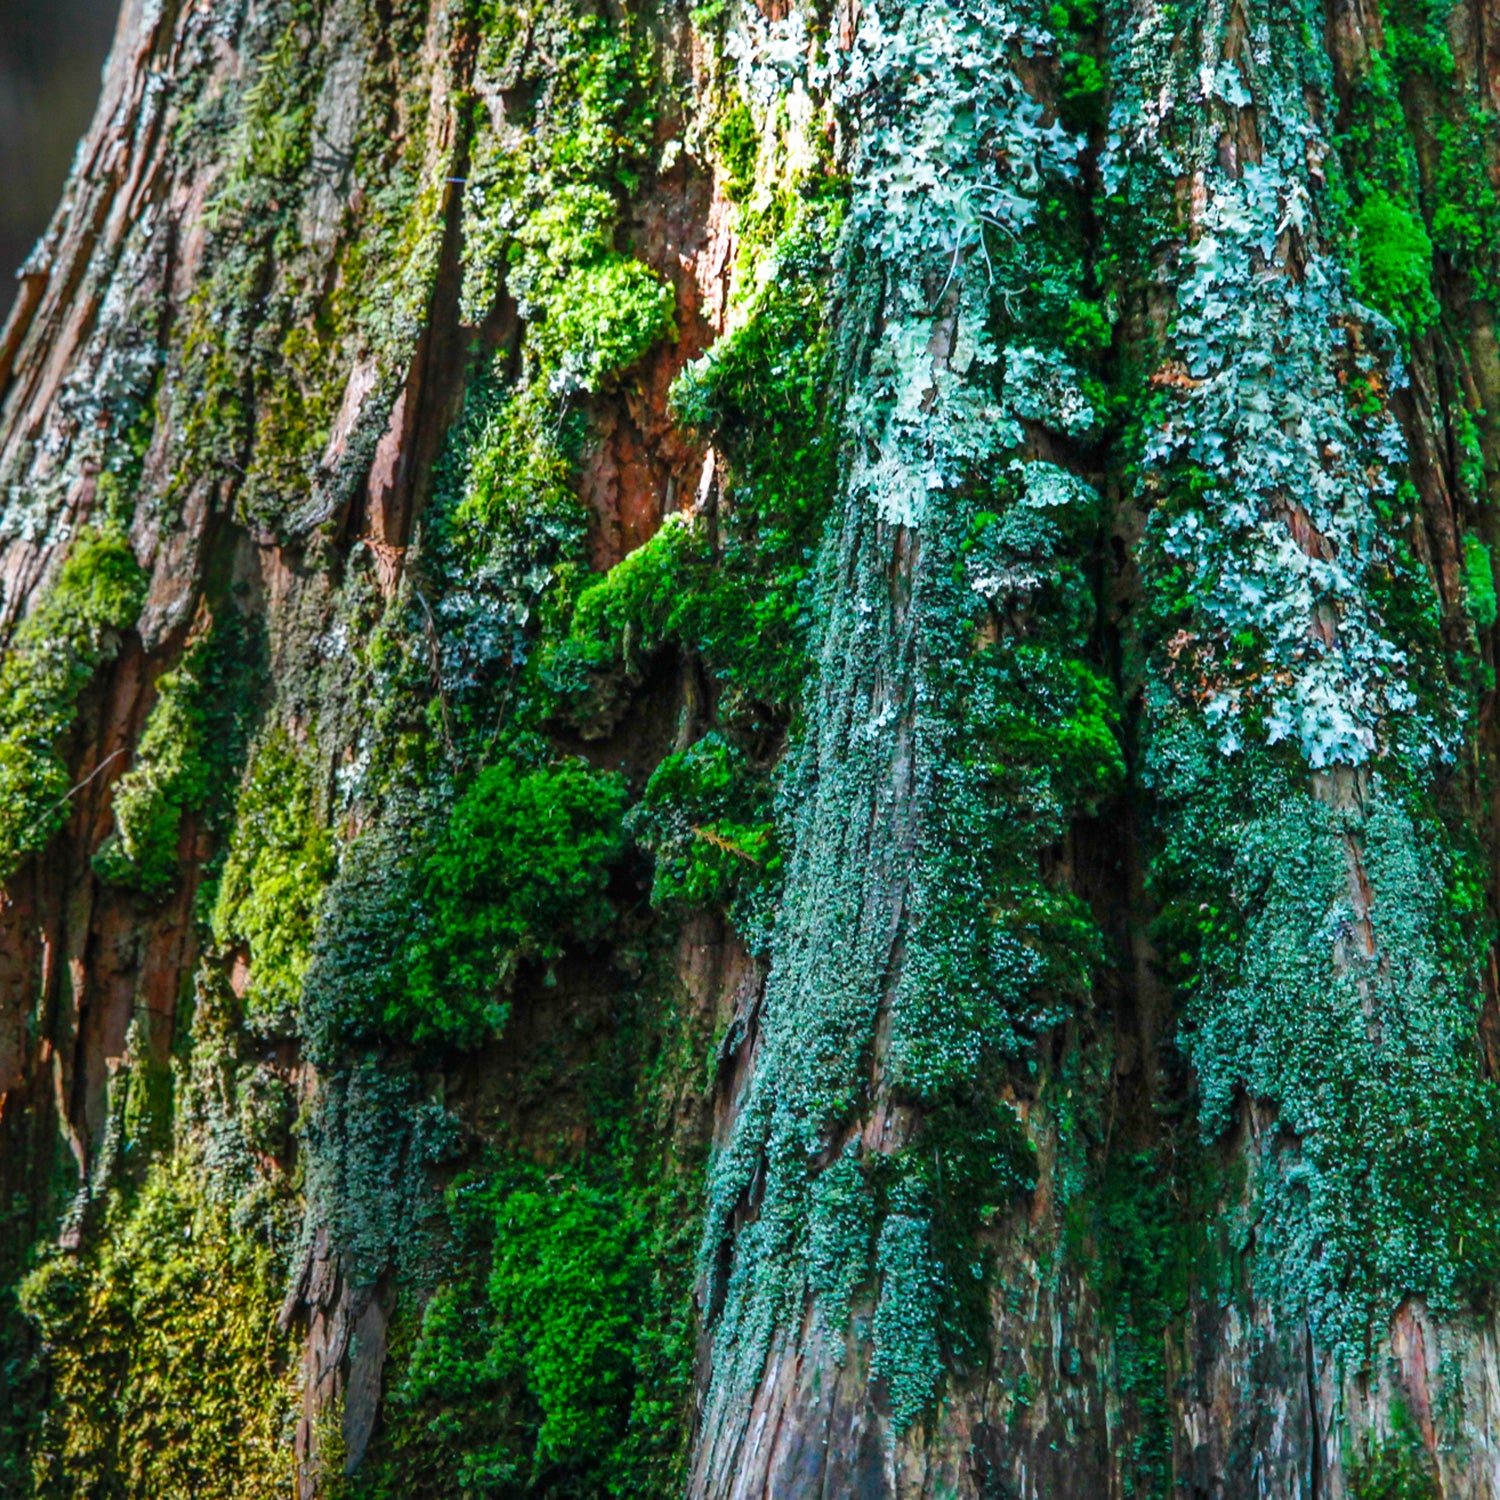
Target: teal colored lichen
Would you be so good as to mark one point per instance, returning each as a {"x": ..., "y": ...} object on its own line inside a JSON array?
[
  {"x": 1301, "y": 711},
  {"x": 76, "y": 627},
  {"x": 906, "y": 1349},
  {"x": 953, "y": 726}
]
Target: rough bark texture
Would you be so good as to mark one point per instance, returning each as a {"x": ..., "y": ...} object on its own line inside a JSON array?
[{"x": 748, "y": 751}]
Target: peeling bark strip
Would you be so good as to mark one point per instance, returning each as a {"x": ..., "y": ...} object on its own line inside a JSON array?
[{"x": 748, "y": 751}]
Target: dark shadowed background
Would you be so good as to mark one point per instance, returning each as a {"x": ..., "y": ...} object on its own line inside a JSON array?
[{"x": 51, "y": 52}]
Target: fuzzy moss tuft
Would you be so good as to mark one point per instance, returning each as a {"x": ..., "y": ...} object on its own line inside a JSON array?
[
  {"x": 519, "y": 871},
  {"x": 169, "y": 778},
  {"x": 1393, "y": 264},
  {"x": 1479, "y": 573}
]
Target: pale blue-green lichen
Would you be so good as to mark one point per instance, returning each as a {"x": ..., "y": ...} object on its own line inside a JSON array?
[
  {"x": 1295, "y": 725},
  {"x": 901, "y": 777}
]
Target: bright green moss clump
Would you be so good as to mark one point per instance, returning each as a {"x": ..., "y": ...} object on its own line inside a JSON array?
[
  {"x": 1393, "y": 265},
  {"x": 706, "y": 816},
  {"x": 605, "y": 316},
  {"x": 531, "y": 1368},
  {"x": 167, "y": 779},
  {"x": 519, "y": 872},
  {"x": 280, "y": 859},
  {"x": 1479, "y": 571},
  {"x": 597, "y": 311},
  {"x": 565, "y": 1290},
  {"x": 76, "y": 628},
  {"x": 544, "y": 210},
  {"x": 554, "y": 1365}
]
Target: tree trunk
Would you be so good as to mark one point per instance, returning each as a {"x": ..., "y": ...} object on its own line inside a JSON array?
[{"x": 748, "y": 750}]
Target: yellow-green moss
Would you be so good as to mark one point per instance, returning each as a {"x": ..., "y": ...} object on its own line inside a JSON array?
[
  {"x": 169, "y": 1377},
  {"x": 280, "y": 859},
  {"x": 168, "y": 778}
]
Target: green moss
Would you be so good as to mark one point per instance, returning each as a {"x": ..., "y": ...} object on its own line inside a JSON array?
[
  {"x": 279, "y": 862},
  {"x": 294, "y": 416},
  {"x": 621, "y": 620},
  {"x": 734, "y": 594},
  {"x": 566, "y": 1288},
  {"x": 1083, "y": 82},
  {"x": 169, "y": 1377},
  {"x": 74, "y": 630},
  {"x": 525, "y": 1378},
  {"x": 555, "y": 1358},
  {"x": 1396, "y": 1467},
  {"x": 168, "y": 778},
  {"x": 602, "y": 318},
  {"x": 1393, "y": 263},
  {"x": 544, "y": 213},
  {"x": 1479, "y": 573},
  {"x": 1412, "y": 91},
  {"x": 517, "y": 481},
  {"x": 505, "y": 550},
  {"x": 225, "y": 378},
  {"x": 596, "y": 311},
  {"x": 706, "y": 817},
  {"x": 519, "y": 872},
  {"x": 1471, "y": 465},
  {"x": 738, "y": 144},
  {"x": 1145, "y": 1288}
]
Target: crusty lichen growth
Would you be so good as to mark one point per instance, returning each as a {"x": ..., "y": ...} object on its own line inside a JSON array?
[
  {"x": 956, "y": 724},
  {"x": 1301, "y": 714}
]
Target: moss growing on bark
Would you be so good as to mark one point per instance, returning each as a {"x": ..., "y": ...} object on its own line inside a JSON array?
[
  {"x": 168, "y": 778},
  {"x": 518, "y": 873},
  {"x": 280, "y": 860},
  {"x": 1393, "y": 263},
  {"x": 76, "y": 627},
  {"x": 1479, "y": 575},
  {"x": 1394, "y": 1466},
  {"x": 705, "y": 816},
  {"x": 168, "y": 1375}
]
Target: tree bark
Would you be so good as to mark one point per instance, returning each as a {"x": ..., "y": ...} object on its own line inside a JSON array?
[{"x": 748, "y": 750}]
